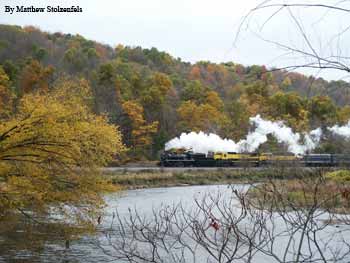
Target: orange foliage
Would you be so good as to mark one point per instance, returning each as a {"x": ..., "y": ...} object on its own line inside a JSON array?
[
  {"x": 141, "y": 131},
  {"x": 35, "y": 77},
  {"x": 203, "y": 117},
  {"x": 195, "y": 73}
]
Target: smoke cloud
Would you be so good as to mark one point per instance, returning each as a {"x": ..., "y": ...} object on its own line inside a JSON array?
[
  {"x": 297, "y": 143},
  {"x": 282, "y": 133},
  {"x": 341, "y": 130},
  {"x": 202, "y": 143}
]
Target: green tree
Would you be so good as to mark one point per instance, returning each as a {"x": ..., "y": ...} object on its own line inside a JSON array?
[
  {"x": 291, "y": 108},
  {"x": 10, "y": 69},
  {"x": 154, "y": 96},
  {"x": 238, "y": 120},
  {"x": 322, "y": 111},
  {"x": 194, "y": 91}
]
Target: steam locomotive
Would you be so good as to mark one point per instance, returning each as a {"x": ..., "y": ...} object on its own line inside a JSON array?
[{"x": 188, "y": 158}]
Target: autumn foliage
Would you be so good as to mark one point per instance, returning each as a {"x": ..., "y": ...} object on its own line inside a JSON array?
[
  {"x": 141, "y": 131},
  {"x": 154, "y": 97},
  {"x": 51, "y": 149}
]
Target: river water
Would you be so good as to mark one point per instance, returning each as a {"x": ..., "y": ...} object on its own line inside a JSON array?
[{"x": 144, "y": 201}]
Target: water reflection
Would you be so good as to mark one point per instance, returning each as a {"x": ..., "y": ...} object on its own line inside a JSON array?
[{"x": 47, "y": 245}]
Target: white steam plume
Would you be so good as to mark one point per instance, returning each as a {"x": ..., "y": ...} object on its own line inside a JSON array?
[
  {"x": 282, "y": 133},
  {"x": 341, "y": 130},
  {"x": 312, "y": 139},
  {"x": 203, "y": 143}
]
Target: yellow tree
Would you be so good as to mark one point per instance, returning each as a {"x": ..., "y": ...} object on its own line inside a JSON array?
[
  {"x": 286, "y": 83},
  {"x": 141, "y": 132},
  {"x": 344, "y": 114},
  {"x": 202, "y": 117},
  {"x": 6, "y": 95},
  {"x": 255, "y": 98},
  {"x": 213, "y": 99},
  {"x": 50, "y": 154}
]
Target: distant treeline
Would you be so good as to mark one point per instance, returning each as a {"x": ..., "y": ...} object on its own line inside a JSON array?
[{"x": 153, "y": 96}]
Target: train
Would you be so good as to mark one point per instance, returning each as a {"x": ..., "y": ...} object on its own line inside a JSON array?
[{"x": 188, "y": 158}]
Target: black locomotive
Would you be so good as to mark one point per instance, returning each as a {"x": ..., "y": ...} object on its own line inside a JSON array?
[{"x": 188, "y": 158}]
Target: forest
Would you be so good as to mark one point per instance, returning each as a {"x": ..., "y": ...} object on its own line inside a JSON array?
[
  {"x": 151, "y": 96},
  {"x": 70, "y": 106}
]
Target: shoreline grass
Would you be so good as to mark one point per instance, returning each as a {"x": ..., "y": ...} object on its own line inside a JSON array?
[{"x": 151, "y": 179}]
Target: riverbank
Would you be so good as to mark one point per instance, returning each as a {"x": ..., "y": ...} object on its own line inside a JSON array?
[{"x": 147, "y": 179}]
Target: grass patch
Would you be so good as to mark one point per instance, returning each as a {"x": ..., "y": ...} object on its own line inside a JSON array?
[
  {"x": 341, "y": 176},
  {"x": 166, "y": 178},
  {"x": 323, "y": 191}
]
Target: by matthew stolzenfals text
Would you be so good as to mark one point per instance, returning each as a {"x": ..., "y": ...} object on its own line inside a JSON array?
[{"x": 47, "y": 9}]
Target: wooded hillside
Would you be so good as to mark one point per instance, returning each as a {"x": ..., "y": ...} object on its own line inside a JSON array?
[{"x": 153, "y": 96}]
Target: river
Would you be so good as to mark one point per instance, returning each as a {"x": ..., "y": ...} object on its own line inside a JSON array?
[{"x": 144, "y": 201}]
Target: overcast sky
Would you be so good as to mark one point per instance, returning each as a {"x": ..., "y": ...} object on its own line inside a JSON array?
[{"x": 190, "y": 29}]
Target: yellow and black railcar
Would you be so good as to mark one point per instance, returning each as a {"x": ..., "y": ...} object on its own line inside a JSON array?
[
  {"x": 236, "y": 159},
  {"x": 186, "y": 158},
  {"x": 278, "y": 159}
]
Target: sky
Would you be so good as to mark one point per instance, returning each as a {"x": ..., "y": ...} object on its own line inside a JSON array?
[{"x": 194, "y": 30}]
